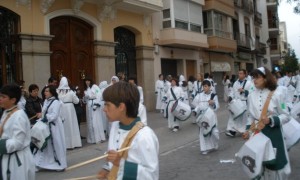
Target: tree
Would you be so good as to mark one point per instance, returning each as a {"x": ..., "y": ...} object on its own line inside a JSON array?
[
  {"x": 296, "y": 7},
  {"x": 290, "y": 62}
]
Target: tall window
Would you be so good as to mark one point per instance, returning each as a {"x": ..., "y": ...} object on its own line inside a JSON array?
[{"x": 10, "y": 66}]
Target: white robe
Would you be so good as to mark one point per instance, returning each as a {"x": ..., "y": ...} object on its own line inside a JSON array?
[
  {"x": 142, "y": 113},
  {"x": 159, "y": 90},
  {"x": 68, "y": 114},
  {"x": 17, "y": 132},
  {"x": 95, "y": 130},
  {"x": 46, "y": 159},
  {"x": 239, "y": 124},
  {"x": 209, "y": 142},
  {"x": 277, "y": 107},
  {"x": 143, "y": 152},
  {"x": 226, "y": 89},
  {"x": 178, "y": 92}
]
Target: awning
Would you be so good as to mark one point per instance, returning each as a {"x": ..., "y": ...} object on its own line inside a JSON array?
[{"x": 220, "y": 66}]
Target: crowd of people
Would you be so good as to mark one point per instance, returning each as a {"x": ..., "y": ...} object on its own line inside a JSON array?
[
  {"x": 259, "y": 102},
  {"x": 37, "y": 132}
]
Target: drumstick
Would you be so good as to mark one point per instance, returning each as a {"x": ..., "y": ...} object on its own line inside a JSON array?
[
  {"x": 93, "y": 160},
  {"x": 84, "y": 178},
  {"x": 32, "y": 117}
]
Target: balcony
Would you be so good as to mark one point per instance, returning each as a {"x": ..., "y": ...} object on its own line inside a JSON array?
[
  {"x": 223, "y": 6},
  {"x": 257, "y": 18},
  {"x": 140, "y": 6},
  {"x": 221, "y": 41},
  {"x": 260, "y": 48},
  {"x": 182, "y": 38},
  {"x": 242, "y": 40},
  {"x": 248, "y": 6},
  {"x": 238, "y": 3}
]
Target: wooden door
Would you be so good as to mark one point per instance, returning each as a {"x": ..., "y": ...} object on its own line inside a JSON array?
[
  {"x": 190, "y": 68},
  {"x": 72, "y": 49}
]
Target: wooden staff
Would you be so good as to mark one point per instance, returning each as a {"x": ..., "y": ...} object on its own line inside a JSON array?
[
  {"x": 84, "y": 178},
  {"x": 93, "y": 160},
  {"x": 31, "y": 118}
]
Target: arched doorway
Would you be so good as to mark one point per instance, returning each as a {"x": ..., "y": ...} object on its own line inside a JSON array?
[
  {"x": 72, "y": 49},
  {"x": 10, "y": 62},
  {"x": 125, "y": 52}
]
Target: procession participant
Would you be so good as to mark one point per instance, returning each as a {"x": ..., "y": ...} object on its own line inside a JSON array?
[
  {"x": 68, "y": 114},
  {"x": 159, "y": 91},
  {"x": 197, "y": 85},
  {"x": 270, "y": 124},
  {"x": 92, "y": 98},
  {"x": 226, "y": 84},
  {"x": 208, "y": 131},
  {"x": 190, "y": 86},
  {"x": 79, "y": 108},
  {"x": 34, "y": 103},
  {"x": 240, "y": 90},
  {"x": 22, "y": 102},
  {"x": 209, "y": 77},
  {"x": 106, "y": 125},
  {"x": 113, "y": 80},
  {"x": 142, "y": 114},
  {"x": 132, "y": 80},
  {"x": 51, "y": 81},
  {"x": 16, "y": 160},
  {"x": 167, "y": 86},
  {"x": 290, "y": 83},
  {"x": 121, "y": 76},
  {"x": 141, "y": 160},
  {"x": 53, "y": 156},
  {"x": 173, "y": 94},
  {"x": 184, "y": 87}
]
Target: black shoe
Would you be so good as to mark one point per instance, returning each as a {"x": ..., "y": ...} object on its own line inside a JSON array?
[
  {"x": 82, "y": 137},
  {"x": 230, "y": 133}
]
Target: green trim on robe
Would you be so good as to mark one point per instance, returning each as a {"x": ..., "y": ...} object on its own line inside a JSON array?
[
  {"x": 276, "y": 121},
  {"x": 276, "y": 137},
  {"x": 130, "y": 171},
  {"x": 130, "y": 126},
  {"x": 3, "y": 149},
  {"x": 248, "y": 127}
]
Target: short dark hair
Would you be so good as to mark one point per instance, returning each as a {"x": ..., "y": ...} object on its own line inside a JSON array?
[
  {"x": 206, "y": 82},
  {"x": 32, "y": 87},
  {"x": 271, "y": 83},
  {"x": 244, "y": 71},
  {"x": 88, "y": 79},
  {"x": 132, "y": 78},
  {"x": 176, "y": 80},
  {"x": 123, "y": 92},
  {"x": 206, "y": 75},
  {"x": 12, "y": 91},
  {"x": 52, "y": 90},
  {"x": 51, "y": 79}
]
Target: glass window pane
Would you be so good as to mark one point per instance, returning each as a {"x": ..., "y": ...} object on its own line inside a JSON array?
[{"x": 166, "y": 13}]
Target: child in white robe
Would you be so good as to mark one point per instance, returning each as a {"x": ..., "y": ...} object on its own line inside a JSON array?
[
  {"x": 141, "y": 160},
  {"x": 14, "y": 137},
  {"x": 206, "y": 103}
]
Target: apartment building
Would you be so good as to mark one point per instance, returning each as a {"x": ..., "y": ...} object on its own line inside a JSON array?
[{"x": 78, "y": 39}]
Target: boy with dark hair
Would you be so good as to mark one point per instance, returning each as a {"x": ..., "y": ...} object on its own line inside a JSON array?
[
  {"x": 141, "y": 160},
  {"x": 15, "y": 154}
]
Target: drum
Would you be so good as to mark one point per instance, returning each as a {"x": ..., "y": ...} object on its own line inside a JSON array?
[
  {"x": 181, "y": 110},
  {"x": 40, "y": 133},
  {"x": 237, "y": 108},
  {"x": 206, "y": 120},
  {"x": 295, "y": 112},
  {"x": 257, "y": 150},
  {"x": 291, "y": 133}
]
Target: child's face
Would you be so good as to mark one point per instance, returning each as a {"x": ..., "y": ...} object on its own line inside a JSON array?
[
  {"x": 6, "y": 102},
  {"x": 112, "y": 111},
  {"x": 206, "y": 88}
]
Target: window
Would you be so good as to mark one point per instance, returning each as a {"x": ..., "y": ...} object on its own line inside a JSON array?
[
  {"x": 187, "y": 16},
  {"x": 166, "y": 13},
  {"x": 216, "y": 24}
]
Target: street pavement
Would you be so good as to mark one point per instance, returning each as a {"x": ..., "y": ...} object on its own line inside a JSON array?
[{"x": 179, "y": 158}]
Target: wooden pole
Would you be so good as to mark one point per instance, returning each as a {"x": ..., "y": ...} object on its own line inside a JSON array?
[
  {"x": 93, "y": 160},
  {"x": 84, "y": 178}
]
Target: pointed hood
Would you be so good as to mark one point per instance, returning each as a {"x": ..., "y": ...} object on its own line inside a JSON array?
[{"x": 63, "y": 84}]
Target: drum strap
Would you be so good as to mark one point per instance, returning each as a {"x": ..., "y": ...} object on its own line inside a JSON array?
[
  {"x": 127, "y": 142},
  {"x": 257, "y": 127},
  {"x": 172, "y": 92},
  {"x": 7, "y": 117}
]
